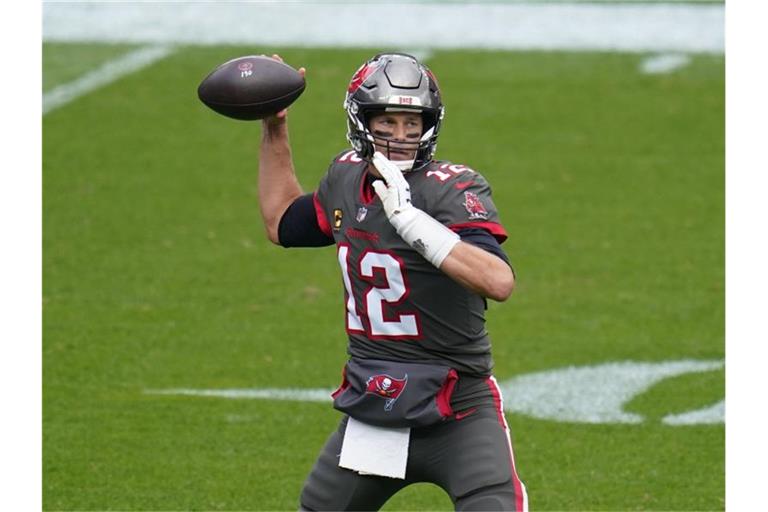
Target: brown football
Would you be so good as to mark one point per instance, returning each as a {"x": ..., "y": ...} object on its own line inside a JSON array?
[{"x": 250, "y": 88}]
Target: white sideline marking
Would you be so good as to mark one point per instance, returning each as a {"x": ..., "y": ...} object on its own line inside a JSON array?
[
  {"x": 301, "y": 395},
  {"x": 664, "y": 63},
  {"x": 654, "y": 27},
  {"x": 587, "y": 394},
  {"x": 592, "y": 394},
  {"x": 706, "y": 416},
  {"x": 107, "y": 73}
]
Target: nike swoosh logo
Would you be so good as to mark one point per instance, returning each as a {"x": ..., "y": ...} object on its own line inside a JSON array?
[
  {"x": 464, "y": 414},
  {"x": 463, "y": 185}
]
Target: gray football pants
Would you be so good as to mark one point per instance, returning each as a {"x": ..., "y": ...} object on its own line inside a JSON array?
[{"x": 471, "y": 459}]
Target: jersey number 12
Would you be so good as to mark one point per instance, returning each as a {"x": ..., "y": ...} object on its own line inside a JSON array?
[{"x": 393, "y": 292}]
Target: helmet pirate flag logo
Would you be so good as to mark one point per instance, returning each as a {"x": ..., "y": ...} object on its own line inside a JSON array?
[
  {"x": 474, "y": 206},
  {"x": 387, "y": 387}
]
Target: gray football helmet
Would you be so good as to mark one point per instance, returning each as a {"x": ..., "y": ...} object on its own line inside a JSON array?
[{"x": 393, "y": 82}]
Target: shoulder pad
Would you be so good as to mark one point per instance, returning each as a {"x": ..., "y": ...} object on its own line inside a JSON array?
[{"x": 343, "y": 164}]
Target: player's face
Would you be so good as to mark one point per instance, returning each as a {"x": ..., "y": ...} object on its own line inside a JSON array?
[{"x": 396, "y": 134}]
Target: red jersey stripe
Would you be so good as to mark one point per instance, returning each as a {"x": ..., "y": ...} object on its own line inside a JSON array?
[
  {"x": 497, "y": 230},
  {"x": 322, "y": 220}
]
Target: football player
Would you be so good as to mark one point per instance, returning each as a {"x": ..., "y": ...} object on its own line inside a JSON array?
[{"x": 418, "y": 244}]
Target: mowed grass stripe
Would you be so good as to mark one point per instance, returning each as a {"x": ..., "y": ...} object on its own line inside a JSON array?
[{"x": 157, "y": 275}]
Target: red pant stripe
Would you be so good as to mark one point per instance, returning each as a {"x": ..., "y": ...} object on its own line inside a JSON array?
[{"x": 521, "y": 496}]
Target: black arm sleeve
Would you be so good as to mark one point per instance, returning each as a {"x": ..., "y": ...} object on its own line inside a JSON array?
[
  {"x": 483, "y": 239},
  {"x": 298, "y": 226}
]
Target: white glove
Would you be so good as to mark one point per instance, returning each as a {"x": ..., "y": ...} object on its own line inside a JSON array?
[{"x": 429, "y": 237}]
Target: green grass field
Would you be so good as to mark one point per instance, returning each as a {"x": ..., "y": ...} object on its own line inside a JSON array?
[{"x": 157, "y": 274}]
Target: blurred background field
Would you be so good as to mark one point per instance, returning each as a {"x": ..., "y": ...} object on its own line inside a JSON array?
[{"x": 157, "y": 274}]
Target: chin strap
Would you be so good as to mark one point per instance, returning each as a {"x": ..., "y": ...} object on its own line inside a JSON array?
[{"x": 426, "y": 235}]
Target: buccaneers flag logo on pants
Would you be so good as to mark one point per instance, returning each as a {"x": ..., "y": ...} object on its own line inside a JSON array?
[{"x": 386, "y": 387}]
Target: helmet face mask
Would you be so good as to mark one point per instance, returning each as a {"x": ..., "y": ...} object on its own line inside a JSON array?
[{"x": 393, "y": 82}]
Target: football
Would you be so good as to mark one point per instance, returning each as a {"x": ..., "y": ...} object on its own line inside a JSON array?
[{"x": 251, "y": 87}]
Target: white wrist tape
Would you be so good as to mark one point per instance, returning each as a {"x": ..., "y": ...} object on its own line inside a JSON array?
[{"x": 431, "y": 239}]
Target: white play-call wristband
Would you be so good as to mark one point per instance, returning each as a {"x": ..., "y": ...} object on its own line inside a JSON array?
[{"x": 430, "y": 238}]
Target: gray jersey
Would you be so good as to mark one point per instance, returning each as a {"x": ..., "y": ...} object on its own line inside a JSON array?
[{"x": 398, "y": 305}]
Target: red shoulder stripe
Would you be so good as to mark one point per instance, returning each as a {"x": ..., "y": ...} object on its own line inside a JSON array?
[
  {"x": 322, "y": 220},
  {"x": 494, "y": 228}
]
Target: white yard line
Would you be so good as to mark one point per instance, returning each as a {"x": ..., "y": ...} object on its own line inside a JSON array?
[
  {"x": 654, "y": 27},
  {"x": 664, "y": 63},
  {"x": 107, "y": 73}
]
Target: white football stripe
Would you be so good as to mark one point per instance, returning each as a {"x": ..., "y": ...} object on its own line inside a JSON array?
[{"x": 107, "y": 73}]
